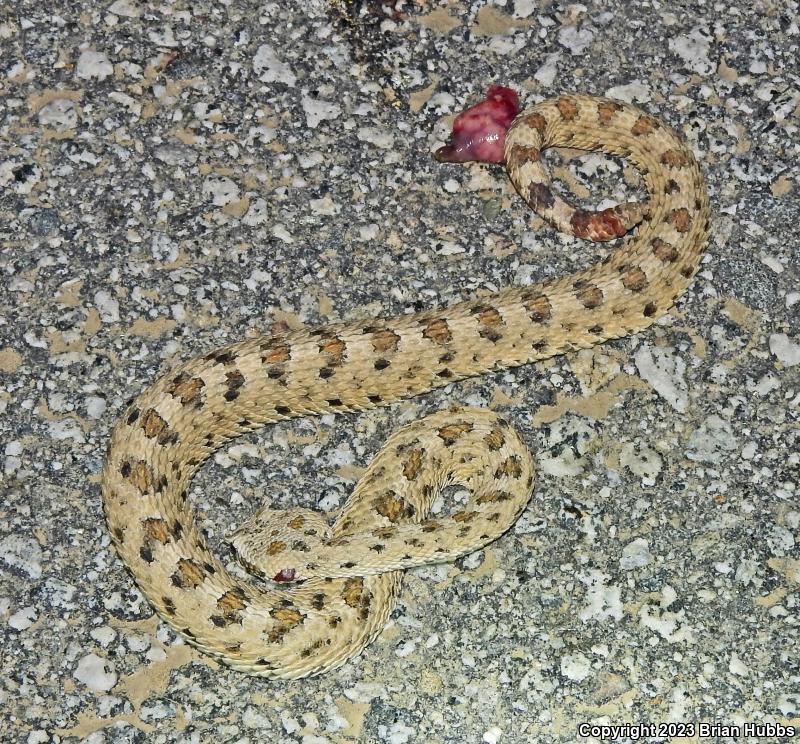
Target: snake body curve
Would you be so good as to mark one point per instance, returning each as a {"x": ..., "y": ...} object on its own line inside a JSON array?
[{"x": 174, "y": 425}]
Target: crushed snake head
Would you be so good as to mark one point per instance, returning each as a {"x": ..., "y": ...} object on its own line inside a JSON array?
[{"x": 479, "y": 132}]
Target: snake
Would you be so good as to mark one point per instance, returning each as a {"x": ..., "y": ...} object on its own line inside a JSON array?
[{"x": 323, "y": 590}]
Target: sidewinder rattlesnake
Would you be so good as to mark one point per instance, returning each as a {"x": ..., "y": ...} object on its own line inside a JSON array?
[{"x": 170, "y": 429}]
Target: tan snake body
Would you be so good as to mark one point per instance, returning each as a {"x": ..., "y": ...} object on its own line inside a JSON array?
[{"x": 173, "y": 426}]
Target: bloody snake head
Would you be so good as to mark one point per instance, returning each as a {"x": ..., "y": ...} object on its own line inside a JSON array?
[{"x": 479, "y": 132}]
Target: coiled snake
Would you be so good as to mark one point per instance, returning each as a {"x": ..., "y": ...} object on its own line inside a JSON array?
[{"x": 353, "y": 577}]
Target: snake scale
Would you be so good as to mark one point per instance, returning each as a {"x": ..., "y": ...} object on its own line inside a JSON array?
[{"x": 353, "y": 577}]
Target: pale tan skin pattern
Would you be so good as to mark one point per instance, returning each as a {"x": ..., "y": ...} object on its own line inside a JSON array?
[
  {"x": 378, "y": 530},
  {"x": 171, "y": 428}
]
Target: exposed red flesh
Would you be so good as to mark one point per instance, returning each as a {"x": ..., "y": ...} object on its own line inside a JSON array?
[
  {"x": 285, "y": 574},
  {"x": 479, "y": 133}
]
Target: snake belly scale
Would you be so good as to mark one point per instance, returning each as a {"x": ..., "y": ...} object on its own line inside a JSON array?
[{"x": 171, "y": 428}]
